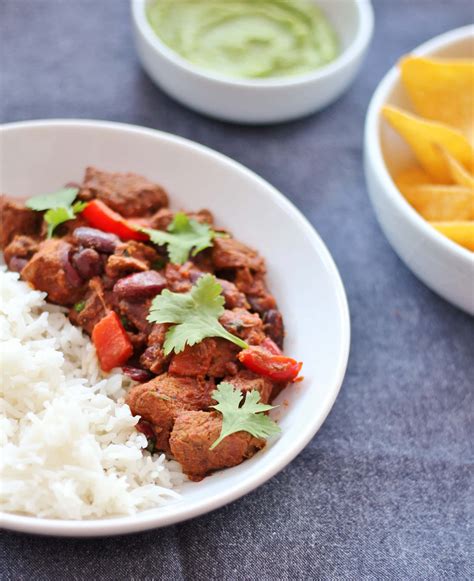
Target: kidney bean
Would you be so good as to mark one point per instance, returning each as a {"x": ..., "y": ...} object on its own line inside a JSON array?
[
  {"x": 140, "y": 285},
  {"x": 96, "y": 239},
  {"x": 273, "y": 326},
  {"x": 87, "y": 262},
  {"x": 72, "y": 276},
  {"x": 16, "y": 263},
  {"x": 137, "y": 374}
]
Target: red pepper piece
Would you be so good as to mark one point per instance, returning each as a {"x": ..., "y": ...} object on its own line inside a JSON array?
[
  {"x": 276, "y": 367},
  {"x": 111, "y": 342},
  {"x": 103, "y": 218}
]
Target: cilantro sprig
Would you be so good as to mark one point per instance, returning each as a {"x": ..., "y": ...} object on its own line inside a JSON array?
[
  {"x": 246, "y": 417},
  {"x": 59, "y": 207},
  {"x": 194, "y": 315},
  {"x": 184, "y": 236}
]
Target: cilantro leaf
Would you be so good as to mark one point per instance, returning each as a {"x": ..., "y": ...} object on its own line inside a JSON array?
[
  {"x": 59, "y": 206},
  {"x": 78, "y": 207},
  {"x": 242, "y": 417},
  {"x": 195, "y": 315},
  {"x": 60, "y": 199},
  {"x": 184, "y": 236},
  {"x": 57, "y": 216}
]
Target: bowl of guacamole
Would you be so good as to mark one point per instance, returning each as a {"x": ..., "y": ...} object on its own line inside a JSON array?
[
  {"x": 250, "y": 39},
  {"x": 252, "y": 61}
]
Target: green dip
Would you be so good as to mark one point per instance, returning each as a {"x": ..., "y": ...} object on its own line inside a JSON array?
[{"x": 246, "y": 38}]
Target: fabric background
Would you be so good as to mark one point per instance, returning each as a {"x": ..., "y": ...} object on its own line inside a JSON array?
[{"x": 382, "y": 491}]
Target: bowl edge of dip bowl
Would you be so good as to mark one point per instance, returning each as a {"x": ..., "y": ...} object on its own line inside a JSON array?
[{"x": 258, "y": 101}]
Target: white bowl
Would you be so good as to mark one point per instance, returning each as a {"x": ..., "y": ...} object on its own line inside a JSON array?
[
  {"x": 261, "y": 100},
  {"x": 444, "y": 266},
  {"x": 40, "y": 156}
]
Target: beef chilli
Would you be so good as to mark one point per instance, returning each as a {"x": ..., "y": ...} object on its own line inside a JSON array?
[{"x": 112, "y": 258}]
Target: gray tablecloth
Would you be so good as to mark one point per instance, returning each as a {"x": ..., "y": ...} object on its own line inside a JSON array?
[{"x": 382, "y": 490}]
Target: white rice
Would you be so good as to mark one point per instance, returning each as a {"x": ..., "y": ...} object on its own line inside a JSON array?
[{"x": 68, "y": 446}]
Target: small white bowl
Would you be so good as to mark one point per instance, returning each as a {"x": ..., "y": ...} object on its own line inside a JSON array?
[
  {"x": 40, "y": 156},
  {"x": 262, "y": 100},
  {"x": 444, "y": 266}
]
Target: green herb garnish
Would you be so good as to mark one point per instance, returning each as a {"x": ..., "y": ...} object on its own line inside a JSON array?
[
  {"x": 59, "y": 207},
  {"x": 195, "y": 315},
  {"x": 184, "y": 236},
  {"x": 60, "y": 199},
  {"x": 78, "y": 307},
  {"x": 239, "y": 415}
]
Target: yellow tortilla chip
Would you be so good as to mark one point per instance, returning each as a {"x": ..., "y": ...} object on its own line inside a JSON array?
[
  {"x": 441, "y": 203},
  {"x": 441, "y": 89},
  {"x": 423, "y": 136},
  {"x": 412, "y": 176},
  {"x": 460, "y": 232},
  {"x": 459, "y": 173}
]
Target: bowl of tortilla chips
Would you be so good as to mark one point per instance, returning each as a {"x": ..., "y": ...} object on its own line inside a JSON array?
[{"x": 419, "y": 163}]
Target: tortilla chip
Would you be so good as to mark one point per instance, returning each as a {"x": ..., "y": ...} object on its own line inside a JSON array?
[
  {"x": 459, "y": 173},
  {"x": 412, "y": 176},
  {"x": 460, "y": 232},
  {"x": 441, "y": 89},
  {"x": 441, "y": 203},
  {"x": 423, "y": 136}
]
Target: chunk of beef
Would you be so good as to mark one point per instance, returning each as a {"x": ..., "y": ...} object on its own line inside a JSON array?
[
  {"x": 203, "y": 261},
  {"x": 255, "y": 289},
  {"x": 130, "y": 257},
  {"x": 16, "y": 218},
  {"x": 230, "y": 253},
  {"x": 211, "y": 357},
  {"x": 247, "y": 326},
  {"x": 157, "y": 334},
  {"x": 160, "y": 400},
  {"x": 247, "y": 381},
  {"x": 163, "y": 218},
  {"x": 51, "y": 271},
  {"x": 138, "y": 340},
  {"x": 204, "y": 216},
  {"x": 154, "y": 357},
  {"x": 21, "y": 247},
  {"x": 181, "y": 277},
  {"x": 193, "y": 434},
  {"x": 92, "y": 309},
  {"x": 126, "y": 193},
  {"x": 193, "y": 361},
  {"x": 224, "y": 359},
  {"x": 233, "y": 297},
  {"x": 135, "y": 313},
  {"x": 137, "y": 250},
  {"x": 119, "y": 266}
]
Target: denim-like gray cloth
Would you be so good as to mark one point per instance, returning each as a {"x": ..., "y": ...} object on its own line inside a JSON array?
[{"x": 382, "y": 492}]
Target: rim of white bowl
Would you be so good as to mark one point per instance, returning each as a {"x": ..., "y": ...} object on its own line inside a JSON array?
[
  {"x": 374, "y": 148},
  {"x": 347, "y": 56},
  {"x": 174, "y": 513}
]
